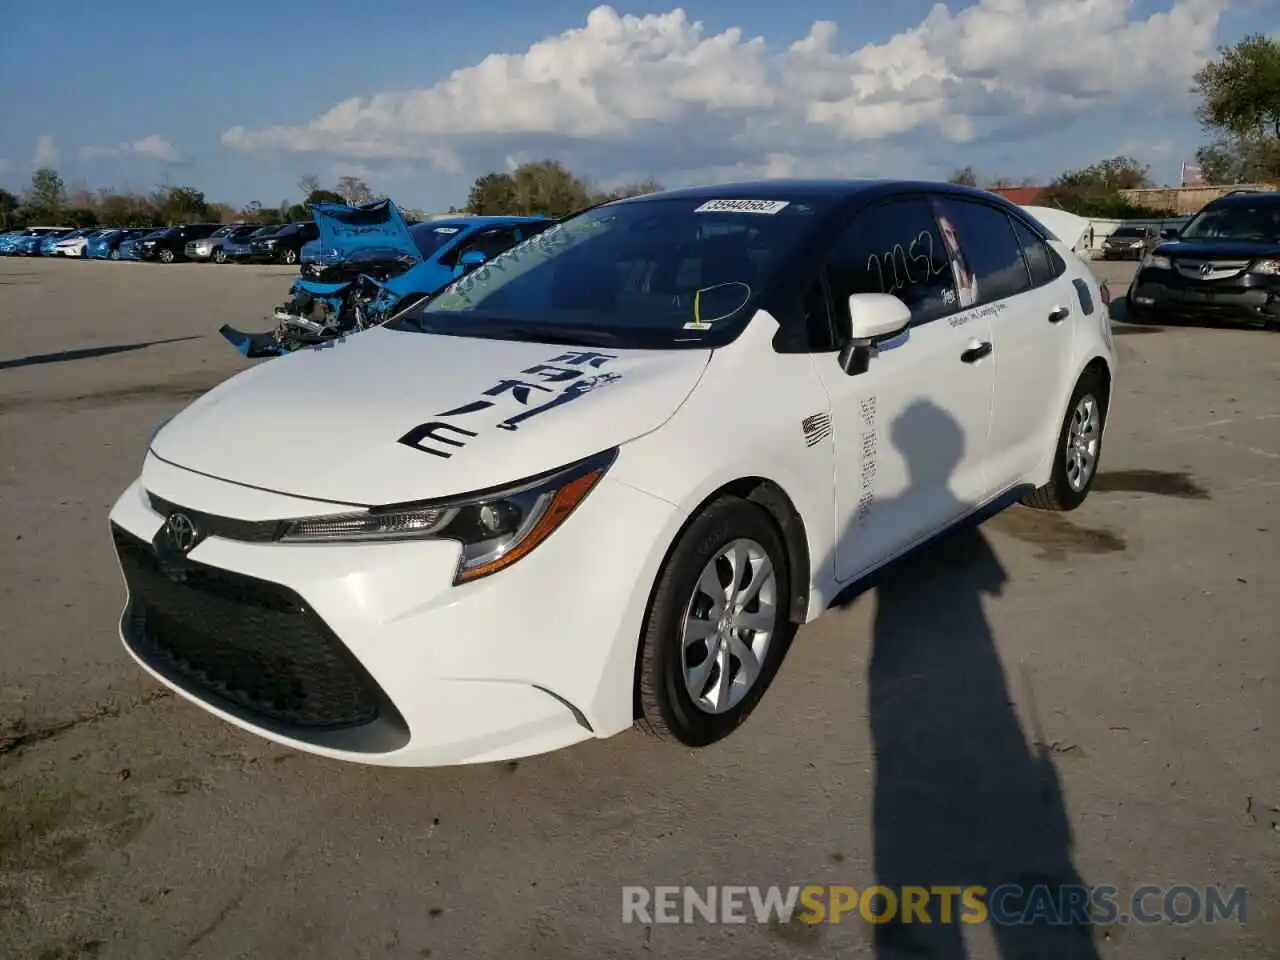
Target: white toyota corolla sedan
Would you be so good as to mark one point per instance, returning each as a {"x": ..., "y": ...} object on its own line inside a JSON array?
[{"x": 602, "y": 478}]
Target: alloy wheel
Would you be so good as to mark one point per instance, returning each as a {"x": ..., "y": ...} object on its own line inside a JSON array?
[
  {"x": 1083, "y": 438},
  {"x": 728, "y": 624}
]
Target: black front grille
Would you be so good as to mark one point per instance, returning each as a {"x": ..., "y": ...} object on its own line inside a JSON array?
[{"x": 248, "y": 646}]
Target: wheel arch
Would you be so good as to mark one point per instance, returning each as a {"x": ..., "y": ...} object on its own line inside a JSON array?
[
  {"x": 774, "y": 500},
  {"x": 1099, "y": 367}
]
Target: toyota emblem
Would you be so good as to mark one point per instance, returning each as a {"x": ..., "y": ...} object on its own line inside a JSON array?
[
  {"x": 181, "y": 531},
  {"x": 1206, "y": 269}
]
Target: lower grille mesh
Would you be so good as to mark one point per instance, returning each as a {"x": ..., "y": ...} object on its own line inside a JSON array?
[{"x": 249, "y": 645}]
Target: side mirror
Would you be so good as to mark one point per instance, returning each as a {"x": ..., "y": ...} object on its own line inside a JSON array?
[
  {"x": 468, "y": 262},
  {"x": 874, "y": 317}
]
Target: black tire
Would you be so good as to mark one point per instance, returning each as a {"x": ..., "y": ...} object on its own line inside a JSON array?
[
  {"x": 1058, "y": 494},
  {"x": 219, "y": 256},
  {"x": 165, "y": 255},
  {"x": 290, "y": 256},
  {"x": 666, "y": 707},
  {"x": 114, "y": 255}
]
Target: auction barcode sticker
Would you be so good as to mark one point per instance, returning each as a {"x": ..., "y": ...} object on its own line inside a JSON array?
[{"x": 742, "y": 206}]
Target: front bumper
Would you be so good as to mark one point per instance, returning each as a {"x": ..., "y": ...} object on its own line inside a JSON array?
[
  {"x": 193, "y": 252},
  {"x": 1250, "y": 297},
  {"x": 241, "y": 255},
  {"x": 366, "y": 652},
  {"x": 1122, "y": 253}
]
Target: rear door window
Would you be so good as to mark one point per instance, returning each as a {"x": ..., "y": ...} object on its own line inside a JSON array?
[{"x": 987, "y": 253}]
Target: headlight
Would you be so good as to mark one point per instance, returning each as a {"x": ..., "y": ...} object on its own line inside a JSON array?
[
  {"x": 495, "y": 528},
  {"x": 1155, "y": 262},
  {"x": 1269, "y": 267}
]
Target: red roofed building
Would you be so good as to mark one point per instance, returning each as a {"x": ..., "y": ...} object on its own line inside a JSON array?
[{"x": 1022, "y": 196}]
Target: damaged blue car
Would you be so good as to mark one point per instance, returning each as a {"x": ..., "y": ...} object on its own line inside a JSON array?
[{"x": 369, "y": 266}]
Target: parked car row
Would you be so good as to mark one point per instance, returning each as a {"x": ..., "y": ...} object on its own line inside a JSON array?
[{"x": 219, "y": 243}]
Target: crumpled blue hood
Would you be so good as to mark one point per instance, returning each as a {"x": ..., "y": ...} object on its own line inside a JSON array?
[{"x": 376, "y": 224}]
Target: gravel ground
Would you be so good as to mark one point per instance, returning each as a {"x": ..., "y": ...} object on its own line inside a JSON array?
[{"x": 1089, "y": 698}]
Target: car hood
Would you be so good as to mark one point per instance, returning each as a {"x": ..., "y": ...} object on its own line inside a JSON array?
[
  {"x": 391, "y": 416},
  {"x": 1211, "y": 249},
  {"x": 345, "y": 230}
]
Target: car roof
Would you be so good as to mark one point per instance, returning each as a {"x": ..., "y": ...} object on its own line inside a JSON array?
[
  {"x": 476, "y": 221},
  {"x": 1245, "y": 199},
  {"x": 801, "y": 190}
]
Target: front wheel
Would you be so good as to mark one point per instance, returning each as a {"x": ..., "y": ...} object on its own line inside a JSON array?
[
  {"x": 289, "y": 257},
  {"x": 115, "y": 254},
  {"x": 1075, "y": 458},
  {"x": 219, "y": 256},
  {"x": 166, "y": 255},
  {"x": 717, "y": 626}
]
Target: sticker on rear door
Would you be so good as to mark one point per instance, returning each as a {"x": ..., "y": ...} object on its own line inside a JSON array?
[{"x": 742, "y": 206}]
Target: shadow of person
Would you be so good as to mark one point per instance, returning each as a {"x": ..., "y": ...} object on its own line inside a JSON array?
[{"x": 960, "y": 798}]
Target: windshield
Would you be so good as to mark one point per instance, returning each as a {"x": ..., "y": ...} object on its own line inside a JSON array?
[
  {"x": 1127, "y": 233},
  {"x": 650, "y": 273},
  {"x": 1236, "y": 221},
  {"x": 265, "y": 231},
  {"x": 430, "y": 237}
]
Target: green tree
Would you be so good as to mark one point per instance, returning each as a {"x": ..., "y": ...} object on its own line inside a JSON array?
[
  {"x": 492, "y": 194},
  {"x": 1240, "y": 160},
  {"x": 1240, "y": 91},
  {"x": 1240, "y": 106},
  {"x": 546, "y": 187},
  {"x": 636, "y": 188},
  {"x": 180, "y": 205},
  {"x": 125, "y": 209},
  {"x": 47, "y": 193},
  {"x": 1094, "y": 191},
  {"x": 8, "y": 210},
  {"x": 324, "y": 196},
  {"x": 79, "y": 217}
]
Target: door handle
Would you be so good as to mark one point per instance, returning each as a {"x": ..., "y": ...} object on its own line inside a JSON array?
[
  {"x": 1059, "y": 314},
  {"x": 974, "y": 354}
]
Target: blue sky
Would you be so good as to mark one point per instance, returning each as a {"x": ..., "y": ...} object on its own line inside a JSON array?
[{"x": 131, "y": 94}]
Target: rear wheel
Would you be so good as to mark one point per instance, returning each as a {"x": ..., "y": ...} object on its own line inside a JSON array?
[
  {"x": 219, "y": 256},
  {"x": 290, "y": 256},
  {"x": 1079, "y": 447},
  {"x": 114, "y": 255},
  {"x": 717, "y": 626},
  {"x": 166, "y": 255}
]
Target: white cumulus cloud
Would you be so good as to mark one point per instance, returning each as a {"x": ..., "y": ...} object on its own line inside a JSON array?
[
  {"x": 153, "y": 145},
  {"x": 46, "y": 152},
  {"x": 664, "y": 89}
]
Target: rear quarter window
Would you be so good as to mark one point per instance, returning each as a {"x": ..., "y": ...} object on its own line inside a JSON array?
[{"x": 1043, "y": 262}]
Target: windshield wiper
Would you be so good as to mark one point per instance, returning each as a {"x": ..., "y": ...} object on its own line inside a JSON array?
[{"x": 548, "y": 333}]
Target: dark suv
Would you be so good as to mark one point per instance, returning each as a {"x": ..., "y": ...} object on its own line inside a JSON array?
[
  {"x": 1224, "y": 263},
  {"x": 285, "y": 245},
  {"x": 170, "y": 245}
]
